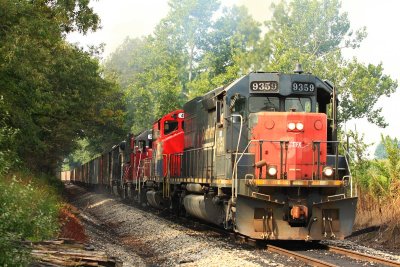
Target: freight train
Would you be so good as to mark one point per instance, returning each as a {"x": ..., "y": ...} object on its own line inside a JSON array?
[{"x": 259, "y": 156}]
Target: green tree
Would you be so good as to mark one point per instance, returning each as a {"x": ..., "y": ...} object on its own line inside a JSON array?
[
  {"x": 359, "y": 162},
  {"x": 53, "y": 92},
  {"x": 314, "y": 33},
  {"x": 7, "y": 141},
  {"x": 188, "y": 22},
  {"x": 155, "y": 70},
  {"x": 126, "y": 61},
  {"x": 380, "y": 150},
  {"x": 230, "y": 50}
]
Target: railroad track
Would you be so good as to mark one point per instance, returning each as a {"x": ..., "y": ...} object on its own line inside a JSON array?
[
  {"x": 360, "y": 256},
  {"x": 280, "y": 249},
  {"x": 337, "y": 250},
  {"x": 308, "y": 260}
]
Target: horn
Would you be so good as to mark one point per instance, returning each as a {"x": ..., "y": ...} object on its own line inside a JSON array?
[{"x": 298, "y": 69}]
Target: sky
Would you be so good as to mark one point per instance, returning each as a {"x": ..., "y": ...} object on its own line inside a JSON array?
[{"x": 134, "y": 18}]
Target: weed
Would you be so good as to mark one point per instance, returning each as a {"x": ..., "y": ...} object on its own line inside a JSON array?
[{"x": 28, "y": 211}]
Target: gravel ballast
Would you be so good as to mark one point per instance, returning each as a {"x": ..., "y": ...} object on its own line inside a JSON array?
[{"x": 140, "y": 238}]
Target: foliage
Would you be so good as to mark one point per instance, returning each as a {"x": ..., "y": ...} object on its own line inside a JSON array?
[
  {"x": 126, "y": 61},
  {"x": 360, "y": 163},
  {"x": 378, "y": 183},
  {"x": 385, "y": 174},
  {"x": 8, "y": 157},
  {"x": 314, "y": 33},
  {"x": 80, "y": 155},
  {"x": 54, "y": 93},
  {"x": 28, "y": 211},
  {"x": 230, "y": 51},
  {"x": 189, "y": 54},
  {"x": 198, "y": 47},
  {"x": 383, "y": 185},
  {"x": 380, "y": 150}
]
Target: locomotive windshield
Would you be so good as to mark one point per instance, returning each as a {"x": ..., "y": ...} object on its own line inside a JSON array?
[
  {"x": 298, "y": 104},
  {"x": 271, "y": 103},
  {"x": 264, "y": 103}
]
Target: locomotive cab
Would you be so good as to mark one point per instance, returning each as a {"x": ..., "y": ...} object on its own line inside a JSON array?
[
  {"x": 166, "y": 157},
  {"x": 168, "y": 141}
]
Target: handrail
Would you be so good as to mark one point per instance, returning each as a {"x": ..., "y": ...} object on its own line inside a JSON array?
[
  {"x": 351, "y": 176},
  {"x": 198, "y": 161},
  {"x": 316, "y": 145},
  {"x": 137, "y": 172},
  {"x": 259, "y": 140},
  {"x": 234, "y": 171},
  {"x": 337, "y": 143}
]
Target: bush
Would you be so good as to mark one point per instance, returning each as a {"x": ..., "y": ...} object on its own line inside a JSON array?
[
  {"x": 378, "y": 186},
  {"x": 28, "y": 211}
]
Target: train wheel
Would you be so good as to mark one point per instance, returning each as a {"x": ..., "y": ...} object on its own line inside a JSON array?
[
  {"x": 129, "y": 192},
  {"x": 123, "y": 192}
]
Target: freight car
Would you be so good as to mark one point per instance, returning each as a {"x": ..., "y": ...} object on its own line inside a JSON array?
[{"x": 259, "y": 156}]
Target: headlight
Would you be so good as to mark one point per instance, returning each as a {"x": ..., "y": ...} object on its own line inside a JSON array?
[
  {"x": 299, "y": 126},
  {"x": 291, "y": 126},
  {"x": 272, "y": 170},
  {"x": 328, "y": 171}
]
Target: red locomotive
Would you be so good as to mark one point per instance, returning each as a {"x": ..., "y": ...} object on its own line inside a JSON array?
[{"x": 259, "y": 156}]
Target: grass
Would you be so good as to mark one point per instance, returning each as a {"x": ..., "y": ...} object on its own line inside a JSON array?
[{"x": 29, "y": 208}]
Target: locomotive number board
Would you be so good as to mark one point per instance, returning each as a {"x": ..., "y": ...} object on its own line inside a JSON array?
[
  {"x": 303, "y": 87},
  {"x": 264, "y": 87}
]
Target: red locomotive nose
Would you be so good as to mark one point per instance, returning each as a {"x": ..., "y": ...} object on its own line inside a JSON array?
[{"x": 294, "y": 159}]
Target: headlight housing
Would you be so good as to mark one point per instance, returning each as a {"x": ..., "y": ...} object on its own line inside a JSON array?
[
  {"x": 272, "y": 171},
  {"x": 299, "y": 126},
  {"x": 328, "y": 171},
  {"x": 295, "y": 126}
]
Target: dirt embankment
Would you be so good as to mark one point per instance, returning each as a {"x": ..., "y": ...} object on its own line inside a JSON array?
[{"x": 71, "y": 226}]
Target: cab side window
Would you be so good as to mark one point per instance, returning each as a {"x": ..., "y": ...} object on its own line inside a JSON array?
[
  {"x": 238, "y": 104},
  {"x": 170, "y": 126}
]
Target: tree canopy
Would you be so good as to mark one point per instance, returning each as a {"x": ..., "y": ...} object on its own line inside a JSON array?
[
  {"x": 52, "y": 92},
  {"x": 314, "y": 33},
  {"x": 194, "y": 50},
  {"x": 380, "y": 150},
  {"x": 55, "y": 94}
]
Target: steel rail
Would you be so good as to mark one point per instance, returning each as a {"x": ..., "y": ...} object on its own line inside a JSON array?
[
  {"x": 360, "y": 256},
  {"x": 298, "y": 256}
]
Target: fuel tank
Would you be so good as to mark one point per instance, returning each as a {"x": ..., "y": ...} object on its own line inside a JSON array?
[{"x": 203, "y": 208}]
